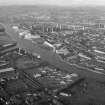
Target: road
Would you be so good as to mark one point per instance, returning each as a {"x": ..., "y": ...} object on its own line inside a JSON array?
[{"x": 53, "y": 58}]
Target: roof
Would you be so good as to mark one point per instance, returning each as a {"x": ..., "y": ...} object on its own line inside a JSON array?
[{"x": 38, "y": 40}]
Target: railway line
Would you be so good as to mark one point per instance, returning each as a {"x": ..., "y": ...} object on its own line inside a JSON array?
[{"x": 53, "y": 58}]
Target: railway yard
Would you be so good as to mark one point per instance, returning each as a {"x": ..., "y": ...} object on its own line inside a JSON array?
[
  {"x": 52, "y": 63},
  {"x": 27, "y": 79}
]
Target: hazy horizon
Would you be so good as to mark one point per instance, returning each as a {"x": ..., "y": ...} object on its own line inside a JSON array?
[{"x": 54, "y": 2}]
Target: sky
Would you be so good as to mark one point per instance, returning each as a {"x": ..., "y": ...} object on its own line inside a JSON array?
[{"x": 53, "y": 2}]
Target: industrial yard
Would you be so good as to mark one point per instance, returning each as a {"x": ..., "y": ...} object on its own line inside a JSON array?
[{"x": 48, "y": 61}]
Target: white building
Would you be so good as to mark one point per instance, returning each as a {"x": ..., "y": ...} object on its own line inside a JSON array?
[
  {"x": 62, "y": 51},
  {"x": 6, "y": 70},
  {"x": 15, "y": 28},
  {"x": 98, "y": 51},
  {"x": 49, "y": 45},
  {"x": 84, "y": 56},
  {"x": 29, "y": 36}
]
